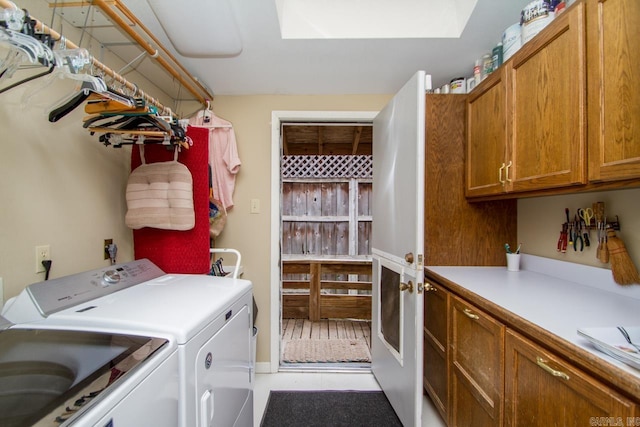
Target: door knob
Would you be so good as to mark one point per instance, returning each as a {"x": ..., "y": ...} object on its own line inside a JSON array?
[
  {"x": 409, "y": 257},
  {"x": 407, "y": 286}
]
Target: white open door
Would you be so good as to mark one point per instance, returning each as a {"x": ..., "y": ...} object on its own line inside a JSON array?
[{"x": 397, "y": 249}]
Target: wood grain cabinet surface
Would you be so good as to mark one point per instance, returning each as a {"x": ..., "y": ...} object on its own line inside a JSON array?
[
  {"x": 477, "y": 373},
  {"x": 480, "y": 370},
  {"x": 526, "y": 122},
  {"x": 436, "y": 344},
  {"x": 547, "y": 81},
  {"x": 563, "y": 114},
  {"x": 614, "y": 96},
  {"x": 544, "y": 390},
  {"x": 487, "y": 136},
  {"x": 452, "y": 224}
]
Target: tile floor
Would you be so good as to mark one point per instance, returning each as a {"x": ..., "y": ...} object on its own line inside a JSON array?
[{"x": 325, "y": 381}]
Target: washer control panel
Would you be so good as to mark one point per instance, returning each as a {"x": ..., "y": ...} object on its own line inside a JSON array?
[{"x": 59, "y": 294}]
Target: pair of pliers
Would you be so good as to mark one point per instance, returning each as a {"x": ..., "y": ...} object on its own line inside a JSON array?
[
  {"x": 562, "y": 241},
  {"x": 578, "y": 235},
  {"x": 585, "y": 236}
]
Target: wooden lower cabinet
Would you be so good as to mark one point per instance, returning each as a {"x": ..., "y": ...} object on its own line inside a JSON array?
[
  {"x": 481, "y": 373},
  {"x": 436, "y": 342},
  {"x": 477, "y": 372},
  {"x": 544, "y": 390}
]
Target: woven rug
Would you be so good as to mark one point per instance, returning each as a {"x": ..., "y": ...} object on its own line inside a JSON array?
[
  {"x": 325, "y": 351},
  {"x": 329, "y": 408}
]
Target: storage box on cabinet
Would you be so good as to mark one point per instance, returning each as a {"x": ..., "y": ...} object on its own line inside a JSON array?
[{"x": 543, "y": 390}]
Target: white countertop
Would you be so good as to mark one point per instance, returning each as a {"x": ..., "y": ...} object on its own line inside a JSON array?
[{"x": 558, "y": 296}]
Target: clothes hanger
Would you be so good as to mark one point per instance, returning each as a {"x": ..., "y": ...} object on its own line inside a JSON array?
[
  {"x": 141, "y": 129},
  {"x": 76, "y": 64},
  {"x": 91, "y": 87},
  {"x": 74, "y": 100},
  {"x": 18, "y": 31},
  {"x": 22, "y": 49},
  {"x": 113, "y": 118},
  {"x": 208, "y": 116}
]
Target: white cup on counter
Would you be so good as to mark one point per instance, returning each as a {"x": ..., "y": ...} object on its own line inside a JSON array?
[{"x": 513, "y": 262}]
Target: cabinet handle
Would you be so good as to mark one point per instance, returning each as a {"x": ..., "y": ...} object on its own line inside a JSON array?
[
  {"x": 470, "y": 314},
  {"x": 429, "y": 287},
  {"x": 543, "y": 364},
  {"x": 500, "y": 174},
  {"x": 507, "y": 170}
]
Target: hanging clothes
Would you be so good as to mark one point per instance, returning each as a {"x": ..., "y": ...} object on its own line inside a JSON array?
[{"x": 223, "y": 155}]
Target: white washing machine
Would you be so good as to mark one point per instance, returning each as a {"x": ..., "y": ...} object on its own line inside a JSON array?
[
  {"x": 56, "y": 376},
  {"x": 210, "y": 318}
]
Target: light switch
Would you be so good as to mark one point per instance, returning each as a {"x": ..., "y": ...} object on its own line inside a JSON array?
[{"x": 255, "y": 206}]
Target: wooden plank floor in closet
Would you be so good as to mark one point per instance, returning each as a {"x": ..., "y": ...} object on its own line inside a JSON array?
[{"x": 294, "y": 329}]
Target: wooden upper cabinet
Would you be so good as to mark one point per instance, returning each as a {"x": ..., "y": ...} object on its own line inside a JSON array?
[
  {"x": 526, "y": 127},
  {"x": 487, "y": 136},
  {"x": 548, "y": 86},
  {"x": 614, "y": 95},
  {"x": 543, "y": 390}
]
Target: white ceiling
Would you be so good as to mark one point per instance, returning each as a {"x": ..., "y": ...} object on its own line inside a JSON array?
[{"x": 269, "y": 64}]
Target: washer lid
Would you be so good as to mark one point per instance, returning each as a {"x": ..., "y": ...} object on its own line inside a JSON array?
[{"x": 50, "y": 376}]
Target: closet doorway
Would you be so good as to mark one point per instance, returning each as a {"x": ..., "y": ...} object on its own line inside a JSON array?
[{"x": 321, "y": 318}]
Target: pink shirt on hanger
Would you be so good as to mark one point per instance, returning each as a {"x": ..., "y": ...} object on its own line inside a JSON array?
[{"x": 223, "y": 155}]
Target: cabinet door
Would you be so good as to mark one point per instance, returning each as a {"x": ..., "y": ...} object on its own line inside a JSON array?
[
  {"x": 477, "y": 357},
  {"x": 548, "y": 82},
  {"x": 487, "y": 136},
  {"x": 544, "y": 390},
  {"x": 436, "y": 372},
  {"x": 614, "y": 98}
]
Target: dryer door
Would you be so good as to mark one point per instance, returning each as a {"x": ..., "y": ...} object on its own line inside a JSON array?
[{"x": 223, "y": 371}]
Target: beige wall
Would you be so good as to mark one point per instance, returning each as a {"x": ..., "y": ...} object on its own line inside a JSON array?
[
  {"x": 58, "y": 185},
  {"x": 540, "y": 221}
]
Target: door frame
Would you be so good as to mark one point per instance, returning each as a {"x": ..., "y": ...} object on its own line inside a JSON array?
[{"x": 277, "y": 117}]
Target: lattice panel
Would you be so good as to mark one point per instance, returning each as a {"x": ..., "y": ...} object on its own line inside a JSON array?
[{"x": 327, "y": 166}]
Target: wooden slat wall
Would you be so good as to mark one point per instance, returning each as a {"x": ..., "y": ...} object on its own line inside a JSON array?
[
  {"x": 315, "y": 305},
  {"x": 365, "y": 194},
  {"x": 320, "y": 235}
]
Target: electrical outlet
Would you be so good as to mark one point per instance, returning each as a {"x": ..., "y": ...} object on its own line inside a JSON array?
[
  {"x": 42, "y": 252},
  {"x": 107, "y": 242}
]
